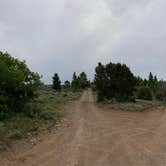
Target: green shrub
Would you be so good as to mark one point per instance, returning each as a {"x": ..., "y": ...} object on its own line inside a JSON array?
[
  {"x": 32, "y": 110},
  {"x": 144, "y": 92},
  {"x": 3, "y": 112},
  {"x": 161, "y": 93},
  {"x": 48, "y": 115},
  {"x": 16, "y": 135},
  {"x": 18, "y": 84}
]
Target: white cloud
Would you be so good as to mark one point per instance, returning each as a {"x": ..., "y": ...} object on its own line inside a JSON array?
[{"x": 66, "y": 36}]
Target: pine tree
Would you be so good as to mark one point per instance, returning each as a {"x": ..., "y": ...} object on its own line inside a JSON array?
[
  {"x": 101, "y": 81},
  {"x": 114, "y": 81},
  {"x": 83, "y": 81},
  {"x": 153, "y": 84},
  {"x": 56, "y": 82},
  {"x": 67, "y": 84},
  {"x": 151, "y": 81},
  {"x": 75, "y": 82}
]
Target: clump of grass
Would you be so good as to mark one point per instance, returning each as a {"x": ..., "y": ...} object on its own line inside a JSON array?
[
  {"x": 139, "y": 105},
  {"x": 3, "y": 130},
  {"x": 16, "y": 136}
]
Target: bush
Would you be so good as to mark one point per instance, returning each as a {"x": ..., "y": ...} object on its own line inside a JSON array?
[
  {"x": 161, "y": 93},
  {"x": 144, "y": 92},
  {"x": 3, "y": 115},
  {"x": 32, "y": 110},
  {"x": 18, "y": 84},
  {"x": 48, "y": 115}
]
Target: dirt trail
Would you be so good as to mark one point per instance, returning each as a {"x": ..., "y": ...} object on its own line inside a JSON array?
[{"x": 96, "y": 137}]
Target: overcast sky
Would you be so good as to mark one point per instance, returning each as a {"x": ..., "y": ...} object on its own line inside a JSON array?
[{"x": 74, "y": 35}]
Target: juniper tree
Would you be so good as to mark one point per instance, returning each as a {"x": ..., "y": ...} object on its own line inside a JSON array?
[
  {"x": 67, "y": 84},
  {"x": 83, "y": 81},
  {"x": 114, "y": 81},
  {"x": 75, "y": 82},
  {"x": 56, "y": 82}
]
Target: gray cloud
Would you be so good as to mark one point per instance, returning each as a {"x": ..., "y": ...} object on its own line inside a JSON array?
[{"x": 66, "y": 36}]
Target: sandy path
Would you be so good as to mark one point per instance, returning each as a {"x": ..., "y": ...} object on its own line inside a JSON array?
[{"x": 96, "y": 137}]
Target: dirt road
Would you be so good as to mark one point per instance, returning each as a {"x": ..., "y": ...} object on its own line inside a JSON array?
[{"x": 96, "y": 137}]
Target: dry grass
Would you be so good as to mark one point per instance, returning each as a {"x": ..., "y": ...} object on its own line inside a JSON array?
[{"x": 41, "y": 114}]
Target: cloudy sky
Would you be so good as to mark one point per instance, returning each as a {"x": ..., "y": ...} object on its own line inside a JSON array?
[{"x": 74, "y": 35}]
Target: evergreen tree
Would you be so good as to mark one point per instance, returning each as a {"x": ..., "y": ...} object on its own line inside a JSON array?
[
  {"x": 153, "y": 84},
  {"x": 75, "y": 82},
  {"x": 114, "y": 81},
  {"x": 145, "y": 82},
  {"x": 83, "y": 81},
  {"x": 67, "y": 84},
  {"x": 155, "y": 79},
  {"x": 161, "y": 91},
  {"x": 56, "y": 82},
  {"x": 100, "y": 81},
  {"x": 151, "y": 81},
  {"x": 139, "y": 81},
  {"x": 156, "y": 83}
]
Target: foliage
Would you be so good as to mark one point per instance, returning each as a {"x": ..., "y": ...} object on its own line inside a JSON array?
[
  {"x": 79, "y": 82},
  {"x": 143, "y": 92},
  {"x": 40, "y": 114},
  {"x": 56, "y": 82},
  {"x": 83, "y": 81},
  {"x": 18, "y": 84},
  {"x": 67, "y": 84},
  {"x": 114, "y": 81},
  {"x": 75, "y": 82},
  {"x": 153, "y": 83},
  {"x": 161, "y": 92},
  {"x": 139, "y": 105},
  {"x": 150, "y": 88}
]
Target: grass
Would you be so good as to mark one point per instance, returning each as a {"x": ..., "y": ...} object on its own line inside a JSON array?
[
  {"x": 139, "y": 105},
  {"x": 41, "y": 114}
]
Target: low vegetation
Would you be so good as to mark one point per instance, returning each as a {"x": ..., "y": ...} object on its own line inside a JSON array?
[
  {"x": 26, "y": 105},
  {"x": 138, "y": 105},
  {"x": 41, "y": 114},
  {"x": 117, "y": 87},
  {"x": 151, "y": 88}
]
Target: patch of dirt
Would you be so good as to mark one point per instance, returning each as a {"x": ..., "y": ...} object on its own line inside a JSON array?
[{"x": 92, "y": 136}]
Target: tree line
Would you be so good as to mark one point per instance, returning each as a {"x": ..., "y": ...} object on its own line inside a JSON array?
[
  {"x": 78, "y": 82},
  {"x": 19, "y": 85},
  {"x": 115, "y": 81},
  {"x": 151, "y": 88}
]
